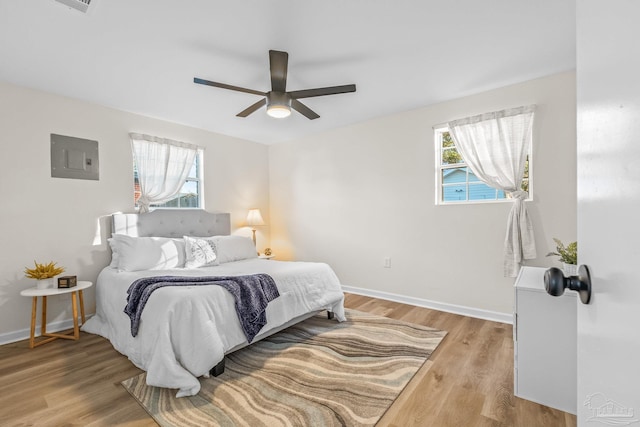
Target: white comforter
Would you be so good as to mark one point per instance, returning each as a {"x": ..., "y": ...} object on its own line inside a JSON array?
[{"x": 185, "y": 331}]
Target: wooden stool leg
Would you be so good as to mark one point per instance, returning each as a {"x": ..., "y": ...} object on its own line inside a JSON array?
[
  {"x": 81, "y": 296},
  {"x": 74, "y": 306},
  {"x": 34, "y": 309},
  {"x": 43, "y": 327}
]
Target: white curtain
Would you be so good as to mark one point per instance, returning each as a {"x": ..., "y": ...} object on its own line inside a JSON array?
[
  {"x": 163, "y": 166},
  {"x": 495, "y": 147}
]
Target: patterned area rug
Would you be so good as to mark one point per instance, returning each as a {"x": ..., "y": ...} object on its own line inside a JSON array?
[{"x": 316, "y": 373}]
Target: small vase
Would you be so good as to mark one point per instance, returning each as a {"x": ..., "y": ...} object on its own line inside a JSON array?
[
  {"x": 570, "y": 269},
  {"x": 46, "y": 283}
]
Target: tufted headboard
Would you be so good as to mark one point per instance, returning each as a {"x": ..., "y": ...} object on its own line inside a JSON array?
[{"x": 172, "y": 223}]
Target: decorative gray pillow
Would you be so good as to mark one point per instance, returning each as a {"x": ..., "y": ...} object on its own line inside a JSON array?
[{"x": 200, "y": 252}]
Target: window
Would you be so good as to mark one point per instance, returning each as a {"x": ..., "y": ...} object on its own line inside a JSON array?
[
  {"x": 456, "y": 183},
  {"x": 191, "y": 194}
]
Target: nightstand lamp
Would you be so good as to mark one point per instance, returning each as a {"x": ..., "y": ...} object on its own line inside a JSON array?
[{"x": 254, "y": 219}]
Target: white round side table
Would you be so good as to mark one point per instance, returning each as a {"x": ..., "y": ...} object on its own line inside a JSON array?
[{"x": 76, "y": 292}]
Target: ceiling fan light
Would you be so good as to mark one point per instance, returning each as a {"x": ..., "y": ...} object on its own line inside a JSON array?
[
  {"x": 278, "y": 104},
  {"x": 279, "y": 111}
]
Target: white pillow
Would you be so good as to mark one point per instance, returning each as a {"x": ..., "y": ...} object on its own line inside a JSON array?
[
  {"x": 200, "y": 252},
  {"x": 114, "y": 253},
  {"x": 146, "y": 253},
  {"x": 234, "y": 248}
]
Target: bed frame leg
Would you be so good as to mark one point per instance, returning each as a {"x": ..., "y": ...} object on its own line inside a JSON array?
[
  {"x": 329, "y": 315},
  {"x": 218, "y": 369}
]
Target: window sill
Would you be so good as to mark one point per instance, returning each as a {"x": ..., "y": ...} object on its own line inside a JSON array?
[{"x": 479, "y": 202}]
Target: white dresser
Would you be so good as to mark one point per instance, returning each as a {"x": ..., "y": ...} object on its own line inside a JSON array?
[{"x": 544, "y": 343}]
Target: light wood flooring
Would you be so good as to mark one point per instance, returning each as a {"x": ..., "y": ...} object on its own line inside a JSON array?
[{"x": 468, "y": 381}]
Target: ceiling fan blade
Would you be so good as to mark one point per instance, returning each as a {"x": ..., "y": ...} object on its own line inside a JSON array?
[
  {"x": 278, "y": 62},
  {"x": 333, "y": 90},
  {"x": 226, "y": 86},
  {"x": 251, "y": 109},
  {"x": 303, "y": 109}
]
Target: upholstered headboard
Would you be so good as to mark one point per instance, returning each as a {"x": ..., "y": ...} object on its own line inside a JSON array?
[{"x": 172, "y": 223}]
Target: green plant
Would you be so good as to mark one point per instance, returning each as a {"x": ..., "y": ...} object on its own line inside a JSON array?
[
  {"x": 568, "y": 254},
  {"x": 43, "y": 271}
]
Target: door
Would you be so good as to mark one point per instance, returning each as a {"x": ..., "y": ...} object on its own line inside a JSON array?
[{"x": 608, "y": 149}]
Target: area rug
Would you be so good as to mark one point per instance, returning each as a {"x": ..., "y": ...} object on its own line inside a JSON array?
[{"x": 316, "y": 373}]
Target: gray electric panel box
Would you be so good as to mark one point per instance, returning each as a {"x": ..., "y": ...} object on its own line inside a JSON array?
[{"x": 74, "y": 158}]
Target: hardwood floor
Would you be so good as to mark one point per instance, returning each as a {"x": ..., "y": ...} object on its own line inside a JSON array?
[{"x": 468, "y": 381}]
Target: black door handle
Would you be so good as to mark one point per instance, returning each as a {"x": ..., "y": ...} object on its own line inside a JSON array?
[{"x": 555, "y": 283}]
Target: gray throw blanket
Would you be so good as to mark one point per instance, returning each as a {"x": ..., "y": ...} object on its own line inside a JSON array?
[{"x": 252, "y": 293}]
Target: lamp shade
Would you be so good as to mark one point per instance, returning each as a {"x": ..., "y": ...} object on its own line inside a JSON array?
[{"x": 254, "y": 218}]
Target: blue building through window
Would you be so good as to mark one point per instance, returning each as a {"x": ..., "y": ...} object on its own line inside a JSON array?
[
  {"x": 456, "y": 182},
  {"x": 460, "y": 184}
]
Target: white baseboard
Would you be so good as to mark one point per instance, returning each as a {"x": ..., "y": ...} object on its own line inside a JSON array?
[
  {"x": 23, "y": 334},
  {"x": 434, "y": 305}
]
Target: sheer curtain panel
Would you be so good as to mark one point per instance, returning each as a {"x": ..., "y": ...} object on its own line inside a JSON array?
[
  {"x": 163, "y": 166},
  {"x": 495, "y": 147}
]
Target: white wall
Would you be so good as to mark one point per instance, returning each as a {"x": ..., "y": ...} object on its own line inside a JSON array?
[
  {"x": 65, "y": 220},
  {"x": 349, "y": 197},
  {"x": 352, "y": 196}
]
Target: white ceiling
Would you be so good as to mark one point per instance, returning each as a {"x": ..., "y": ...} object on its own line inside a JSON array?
[{"x": 142, "y": 55}]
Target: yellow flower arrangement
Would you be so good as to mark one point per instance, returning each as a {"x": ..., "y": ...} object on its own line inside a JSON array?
[{"x": 43, "y": 271}]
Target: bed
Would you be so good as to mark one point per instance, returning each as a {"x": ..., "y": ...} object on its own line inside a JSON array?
[{"x": 185, "y": 331}]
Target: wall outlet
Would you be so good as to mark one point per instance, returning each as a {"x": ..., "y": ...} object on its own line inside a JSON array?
[{"x": 387, "y": 262}]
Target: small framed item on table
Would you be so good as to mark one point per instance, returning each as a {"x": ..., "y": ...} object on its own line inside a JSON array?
[{"x": 67, "y": 281}]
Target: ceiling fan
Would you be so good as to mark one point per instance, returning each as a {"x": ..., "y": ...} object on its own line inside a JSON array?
[{"x": 279, "y": 102}]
